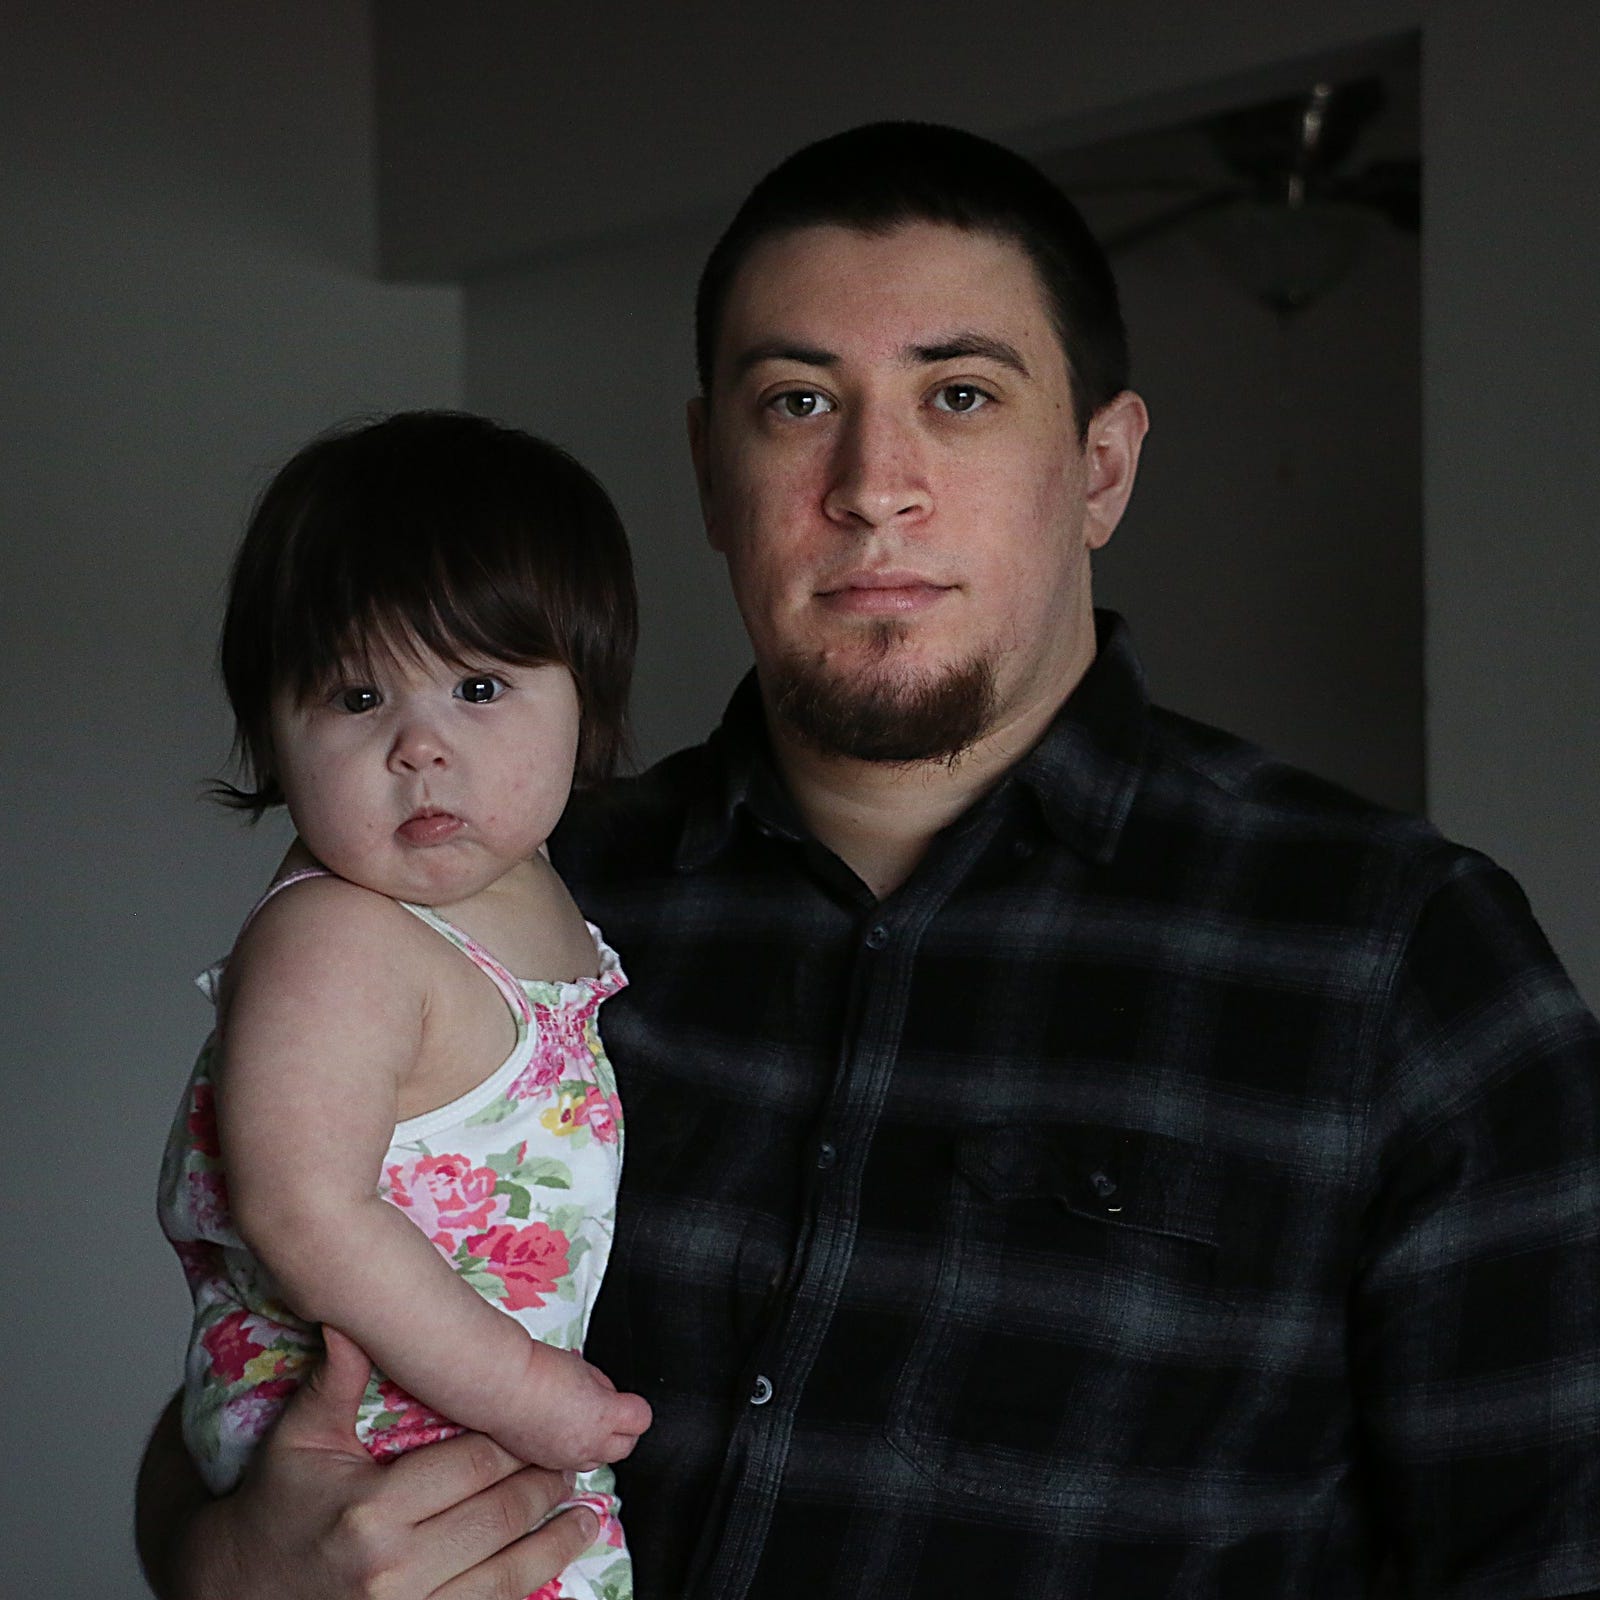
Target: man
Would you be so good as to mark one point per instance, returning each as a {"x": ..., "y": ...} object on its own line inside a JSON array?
[{"x": 1070, "y": 1153}]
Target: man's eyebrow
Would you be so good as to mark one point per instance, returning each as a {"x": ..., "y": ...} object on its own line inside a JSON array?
[
  {"x": 957, "y": 345},
  {"x": 783, "y": 350},
  {"x": 970, "y": 344}
]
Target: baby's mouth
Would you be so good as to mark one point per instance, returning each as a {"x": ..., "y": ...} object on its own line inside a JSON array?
[{"x": 429, "y": 826}]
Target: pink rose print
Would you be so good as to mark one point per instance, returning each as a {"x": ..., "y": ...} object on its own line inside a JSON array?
[
  {"x": 541, "y": 1073},
  {"x": 232, "y": 1345},
  {"x": 601, "y": 1112},
  {"x": 563, "y": 1050},
  {"x": 415, "y": 1424},
  {"x": 208, "y": 1201},
  {"x": 604, "y": 1506},
  {"x": 547, "y": 1591},
  {"x": 528, "y": 1261},
  {"x": 201, "y": 1262},
  {"x": 203, "y": 1121},
  {"x": 566, "y": 1115},
  {"x": 445, "y": 1196},
  {"x": 254, "y": 1412},
  {"x": 566, "y": 1026}
]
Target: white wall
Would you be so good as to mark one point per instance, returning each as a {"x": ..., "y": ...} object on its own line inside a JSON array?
[
  {"x": 596, "y": 351},
  {"x": 1512, "y": 398},
  {"x": 186, "y": 294},
  {"x": 509, "y": 130},
  {"x": 1271, "y": 559}
]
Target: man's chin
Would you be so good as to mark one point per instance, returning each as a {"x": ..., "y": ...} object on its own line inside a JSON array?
[{"x": 878, "y": 714}]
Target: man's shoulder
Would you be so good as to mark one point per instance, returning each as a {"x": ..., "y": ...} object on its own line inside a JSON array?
[
  {"x": 1230, "y": 784},
  {"x": 1278, "y": 836}
]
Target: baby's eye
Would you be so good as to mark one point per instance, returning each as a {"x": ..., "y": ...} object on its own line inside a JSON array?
[
  {"x": 801, "y": 403},
  {"x": 480, "y": 688},
  {"x": 357, "y": 697},
  {"x": 960, "y": 398}
]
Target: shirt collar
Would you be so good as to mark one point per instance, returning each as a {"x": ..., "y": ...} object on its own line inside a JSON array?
[
  {"x": 1083, "y": 773},
  {"x": 739, "y": 775}
]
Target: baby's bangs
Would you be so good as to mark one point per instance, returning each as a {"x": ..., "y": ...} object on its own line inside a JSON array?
[{"x": 451, "y": 605}]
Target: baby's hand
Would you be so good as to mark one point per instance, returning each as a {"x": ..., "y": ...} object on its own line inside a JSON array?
[{"x": 570, "y": 1417}]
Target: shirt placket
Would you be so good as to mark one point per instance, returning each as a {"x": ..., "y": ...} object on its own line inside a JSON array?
[{"x": 887, "y": 937}]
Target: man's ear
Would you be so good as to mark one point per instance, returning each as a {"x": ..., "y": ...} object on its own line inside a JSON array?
[
  {"x": 700, "y": 454},
  {"x": 1111, "y": 458}
]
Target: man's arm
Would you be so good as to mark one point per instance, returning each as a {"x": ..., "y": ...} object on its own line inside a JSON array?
[
  {"x": 169, "y": 1497},
  {"x": 315, "y": 1516},
  {"x": 1476, "y": 1333}
]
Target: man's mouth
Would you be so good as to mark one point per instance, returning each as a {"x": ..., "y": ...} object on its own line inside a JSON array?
[{"x": 887, "y": 592}]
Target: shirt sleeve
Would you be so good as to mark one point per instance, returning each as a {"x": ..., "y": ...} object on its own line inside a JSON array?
[{"x": 1476, "y": 1311}]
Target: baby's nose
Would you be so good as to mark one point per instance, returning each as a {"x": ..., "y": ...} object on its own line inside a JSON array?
[{"x": 418, "y": 744}]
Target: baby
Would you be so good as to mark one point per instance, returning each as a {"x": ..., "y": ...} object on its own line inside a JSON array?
[{"x": 429, "y": 631}]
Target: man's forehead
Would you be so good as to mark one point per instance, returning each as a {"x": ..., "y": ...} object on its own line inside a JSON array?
[{"x": 915, "y": 284}]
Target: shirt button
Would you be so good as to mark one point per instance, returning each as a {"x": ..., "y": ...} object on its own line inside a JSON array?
[
  {"x": 877, "y": 937},
  {"x": 1103, "y": 1184},
  {"x": 826, "y": 1156},
  {"x": 1023, "y": 850},
  {"x": 762, "y": 1392}
]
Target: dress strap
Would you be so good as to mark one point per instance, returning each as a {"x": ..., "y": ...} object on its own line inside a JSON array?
[
  {"x": 209, "y": 982},
  {"x": 299, "y": 875},
  {"x": 512, "y": 991}
]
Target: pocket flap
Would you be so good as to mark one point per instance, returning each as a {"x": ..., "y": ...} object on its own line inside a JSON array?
[{"x": 1121, "y": 1176}]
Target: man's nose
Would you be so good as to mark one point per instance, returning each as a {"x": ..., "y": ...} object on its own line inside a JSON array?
[
  {"x": 418, "y": 745},
  {"x": 879, "y": 472}
]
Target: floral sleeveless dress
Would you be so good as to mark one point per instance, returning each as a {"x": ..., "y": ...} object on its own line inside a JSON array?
[{"x": 515, "y": 1183}]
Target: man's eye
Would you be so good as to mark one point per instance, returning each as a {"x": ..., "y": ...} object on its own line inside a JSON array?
[
  {"x": 357, "y": 697},
  {"x": 480, "y": 688},
  {"x": 960, "y": 397},
  {"x": 800, "y": 403}
]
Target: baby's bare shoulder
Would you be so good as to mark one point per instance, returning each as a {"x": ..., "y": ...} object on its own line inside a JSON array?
[{"x": 327, "y": 934}]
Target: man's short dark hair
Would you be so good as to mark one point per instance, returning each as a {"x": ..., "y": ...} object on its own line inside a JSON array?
[
  {"x": 880, "y": 176},
  {"x": 430, "y": 529}
]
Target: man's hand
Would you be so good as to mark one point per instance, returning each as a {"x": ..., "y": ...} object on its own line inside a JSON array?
[{"x": 316, "y": 1516}]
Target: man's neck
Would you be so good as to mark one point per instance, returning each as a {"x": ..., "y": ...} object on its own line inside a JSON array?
[{"x": 880, "y": 817}]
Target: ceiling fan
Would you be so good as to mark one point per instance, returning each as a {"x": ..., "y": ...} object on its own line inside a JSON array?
[{"x": 1290, "y": 221}]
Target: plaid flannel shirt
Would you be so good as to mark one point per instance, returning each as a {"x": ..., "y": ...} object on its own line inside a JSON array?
[{"x": 1185, "y": 1184}]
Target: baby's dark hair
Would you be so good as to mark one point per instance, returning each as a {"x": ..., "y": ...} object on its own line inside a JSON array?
[{"x": 430, "y": 529}]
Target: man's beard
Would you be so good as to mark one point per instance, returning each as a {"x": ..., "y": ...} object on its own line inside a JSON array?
[{"x": 871, "y": 716}]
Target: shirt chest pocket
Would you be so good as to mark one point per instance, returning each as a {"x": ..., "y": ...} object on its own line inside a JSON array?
[{"x": 1076, "y": 1317}]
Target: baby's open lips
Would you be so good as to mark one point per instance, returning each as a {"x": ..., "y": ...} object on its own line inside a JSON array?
[{"x": 429, "y": 825}]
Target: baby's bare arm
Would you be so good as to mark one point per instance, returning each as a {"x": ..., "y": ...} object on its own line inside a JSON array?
[{"x": 325, "y": 1013}]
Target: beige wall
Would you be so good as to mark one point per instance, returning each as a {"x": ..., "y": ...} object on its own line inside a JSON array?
[{"x": 186, "y": 293}]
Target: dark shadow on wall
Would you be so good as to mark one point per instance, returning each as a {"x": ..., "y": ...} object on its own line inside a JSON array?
[{"x": 1271, "y": 561}]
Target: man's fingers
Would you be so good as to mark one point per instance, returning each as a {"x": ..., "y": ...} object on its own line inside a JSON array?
[
  {"x": 529, "y": 1564},
  {"x": 323, "y": 1411},
  {"x": 342, "y": 1377},
  {"x": 437, "y": 1478},
  {"x": 489, "y": 1536}
]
